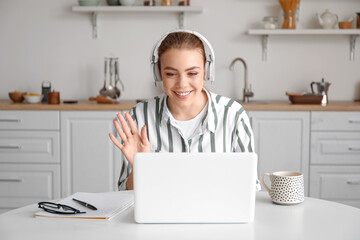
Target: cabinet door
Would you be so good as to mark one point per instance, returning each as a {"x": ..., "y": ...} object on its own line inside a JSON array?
[
  {"x": 282, "y": 141},
  {"x": 336, "y": 183},
  {"x": 90, "y": 161},
  {"x": 29, "y": 146},
  {"x": 23, "y": 184}
]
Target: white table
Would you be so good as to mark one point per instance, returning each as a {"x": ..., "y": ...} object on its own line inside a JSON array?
[{"x": 312, "y": 219}]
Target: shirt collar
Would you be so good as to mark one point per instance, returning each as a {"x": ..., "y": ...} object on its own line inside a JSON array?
[{"x": 210, "y": 120}]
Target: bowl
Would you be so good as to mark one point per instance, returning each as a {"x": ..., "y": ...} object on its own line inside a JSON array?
[
  {"x": 345, "y": 25},
  {"x": 112, "y": 2},
  {"x": 127, "y": 2},
  {"x": 33, "y": 98},
  {"x": 89, "y": 2},
  {"x": 16, "y": 96}
]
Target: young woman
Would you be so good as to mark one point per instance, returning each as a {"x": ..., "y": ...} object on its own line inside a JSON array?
[{"x": 186, "y": 117}]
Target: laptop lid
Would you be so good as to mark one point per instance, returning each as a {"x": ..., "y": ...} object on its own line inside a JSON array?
[{"x": 195, "y": 187}]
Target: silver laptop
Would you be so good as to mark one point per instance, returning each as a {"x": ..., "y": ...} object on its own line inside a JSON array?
[{"x": 195, "y": 187}]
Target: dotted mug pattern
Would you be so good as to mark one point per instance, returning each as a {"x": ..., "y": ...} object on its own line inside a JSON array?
[{"x": 286, "y": 189}]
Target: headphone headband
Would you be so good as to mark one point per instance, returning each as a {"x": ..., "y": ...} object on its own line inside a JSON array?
[{"x": 209, "y": 55}]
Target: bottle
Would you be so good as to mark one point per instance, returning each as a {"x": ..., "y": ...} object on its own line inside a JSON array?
[
  {"x": 149, "y": 3},
  {"x": 184, "y": 3},
  {"x": 166, "y": 2}
]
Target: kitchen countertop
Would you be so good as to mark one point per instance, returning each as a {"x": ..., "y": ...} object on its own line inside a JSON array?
[{"x": 85, "y": 105}]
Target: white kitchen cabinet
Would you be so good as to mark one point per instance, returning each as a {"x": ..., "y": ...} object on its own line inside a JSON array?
[
  {"x": 282, "y": 141},
  {"x": 23, "y": 184},
  {"x": 90, "y": 161},
  {"x": 29, "y": 157},
  {"x": 336, "y": 183},
  {"x": 335, "y": 157}
]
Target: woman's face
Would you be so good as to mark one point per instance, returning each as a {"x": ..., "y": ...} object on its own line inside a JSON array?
[{"x": 182, "y": 72}]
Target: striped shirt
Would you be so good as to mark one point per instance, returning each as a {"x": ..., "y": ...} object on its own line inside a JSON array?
[{"x": 224, "y": 128}]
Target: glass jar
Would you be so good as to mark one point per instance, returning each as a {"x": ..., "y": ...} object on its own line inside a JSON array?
[
  {"x": 271, "y": 22},
  {"x": 184, "y": 3},
  {"x": 149, "y": 3},
  {"x": 166, "y": 2},
  {"x": 289, "y": 20}
]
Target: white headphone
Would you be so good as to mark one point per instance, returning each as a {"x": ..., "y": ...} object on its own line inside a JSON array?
[{"x": 209, "y": 55}]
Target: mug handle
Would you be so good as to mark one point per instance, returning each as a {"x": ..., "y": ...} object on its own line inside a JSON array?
[{"x": 263, "y": 183}]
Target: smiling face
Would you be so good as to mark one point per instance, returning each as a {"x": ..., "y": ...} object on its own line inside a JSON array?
[{"x": 183, "y": 72}]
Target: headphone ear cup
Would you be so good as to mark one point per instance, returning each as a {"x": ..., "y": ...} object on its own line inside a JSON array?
[
  {"x": 209, "y": 71},
  {"x": 156, "y": 72}
]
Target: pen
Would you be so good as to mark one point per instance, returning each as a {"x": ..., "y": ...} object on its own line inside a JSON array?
[{"x": 85, "y": 204}]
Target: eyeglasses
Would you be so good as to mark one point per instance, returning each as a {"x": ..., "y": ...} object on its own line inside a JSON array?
[{"x": 64, "y": 209}]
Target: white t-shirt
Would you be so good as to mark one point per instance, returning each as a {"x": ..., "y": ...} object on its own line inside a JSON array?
[{"x": 188, "y": 127}]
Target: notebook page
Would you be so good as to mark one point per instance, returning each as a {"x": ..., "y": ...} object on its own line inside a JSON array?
[{"x": 108, "y": 204}]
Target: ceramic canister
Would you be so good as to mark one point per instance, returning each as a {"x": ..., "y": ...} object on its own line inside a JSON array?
[{"x": 286, "y": 187}]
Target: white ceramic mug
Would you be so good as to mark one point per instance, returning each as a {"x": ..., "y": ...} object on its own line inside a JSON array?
[{"x": 286, "y": 187}]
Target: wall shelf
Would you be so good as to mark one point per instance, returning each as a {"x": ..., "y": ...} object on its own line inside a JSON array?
[
  {"x": 353, "y": 33},
  {"x": 181, "y": 10}
]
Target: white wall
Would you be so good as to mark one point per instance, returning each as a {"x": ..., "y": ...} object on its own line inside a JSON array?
[{"x": 42, "y": 40}]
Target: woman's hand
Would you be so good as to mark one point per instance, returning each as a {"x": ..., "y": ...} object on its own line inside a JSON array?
[{"x": 133, "y": 142}]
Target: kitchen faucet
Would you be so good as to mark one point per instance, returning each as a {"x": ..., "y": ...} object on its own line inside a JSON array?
[{"x": 247, "y": 93}]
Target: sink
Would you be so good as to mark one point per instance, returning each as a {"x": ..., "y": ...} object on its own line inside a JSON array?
[{"x": 253, "y": 102}]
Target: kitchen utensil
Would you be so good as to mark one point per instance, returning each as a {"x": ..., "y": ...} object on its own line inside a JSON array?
[
  {"x": 322, "y": 90},
  {"x": 111, "y": 92},
  {"x": 45, "y": 89},
  {"x": 322, "y": 87},
  {"x": 118, "y": 80},
  {"x": 108, "y": 89},
  {"x": 327, "y": 20},
  {"x": 16, "y": 96},
  {"x": 103, "y": 91}
]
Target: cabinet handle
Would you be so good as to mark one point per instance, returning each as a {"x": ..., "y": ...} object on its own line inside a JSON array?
[
  {"x": 354, "y": 121},
  {"x": 353, "y": 149},
  {"x": 10, "y": 180},
  {"x": 10, "y": 120},
  {"x": 10, "y": 147},
  {"x": 353, "y": 182}
]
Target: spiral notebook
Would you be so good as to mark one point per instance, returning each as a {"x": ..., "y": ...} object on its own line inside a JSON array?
[{"x": 108, "y": 204}]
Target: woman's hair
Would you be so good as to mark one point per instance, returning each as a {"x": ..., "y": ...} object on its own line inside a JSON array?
[{"x": 181, "y": 40}]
